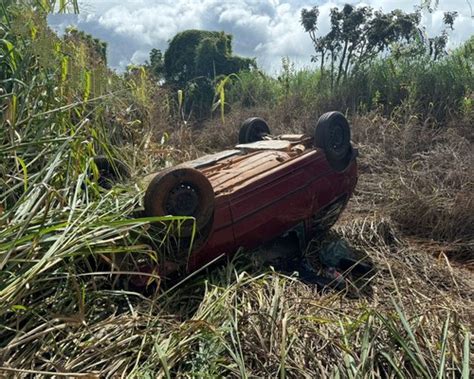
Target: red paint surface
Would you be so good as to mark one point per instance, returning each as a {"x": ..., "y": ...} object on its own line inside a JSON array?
[{"x": 261, "y": 206}]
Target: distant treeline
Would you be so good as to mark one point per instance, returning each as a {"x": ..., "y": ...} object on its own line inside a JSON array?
[{"x": 368, "y": 59}]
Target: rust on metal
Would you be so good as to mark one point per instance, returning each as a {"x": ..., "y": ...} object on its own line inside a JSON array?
[
  {"x": 235, "y": 172},
  {"x": 210, "y": 159},
  {"x": 229, "y": 170},
  {"x": 265, "y": 145}
]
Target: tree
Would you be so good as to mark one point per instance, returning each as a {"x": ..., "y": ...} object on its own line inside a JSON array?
[
  {"x": 156, "y": 66},
  {"x": 437, "y": 44},
  {"x": 194, "y": 60},
  {"x": 309, "y": 20},
  {"x": 195, "y": 53},
  {"x": 359, "y": 34}
]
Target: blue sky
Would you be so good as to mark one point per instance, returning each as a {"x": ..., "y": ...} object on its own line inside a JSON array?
[{"x": 266, "y": 29}]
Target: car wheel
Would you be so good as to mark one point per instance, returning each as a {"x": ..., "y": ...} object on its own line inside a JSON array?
[
  {"x": 333, "y": 135},
  {"x": 111, "y": 171},
  {"x": 181, "y": 191},
  {"x": 253, "y": 129}
]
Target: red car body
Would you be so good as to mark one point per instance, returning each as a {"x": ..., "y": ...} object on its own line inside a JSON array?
[{"x": 265, "y": 189}]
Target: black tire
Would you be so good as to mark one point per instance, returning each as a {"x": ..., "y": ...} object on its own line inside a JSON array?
[
  {"x": 181, "y": 191},
  {"x": 111, "y": 171},
  {"x": 253, "y": 129},
  {"x": 333, "y": 135}
]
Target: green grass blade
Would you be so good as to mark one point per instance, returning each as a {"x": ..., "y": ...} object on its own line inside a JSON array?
[{"x": 444, "y": 342}]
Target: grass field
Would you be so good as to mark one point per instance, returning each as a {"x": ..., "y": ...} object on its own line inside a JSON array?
[{"x": 66, "y": 306}]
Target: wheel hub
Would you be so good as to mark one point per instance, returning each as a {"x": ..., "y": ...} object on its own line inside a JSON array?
[
  {"x": 182, "y": 200},
  {"x": 336, "y": 137},
  {"x": 256, "y": 133}
]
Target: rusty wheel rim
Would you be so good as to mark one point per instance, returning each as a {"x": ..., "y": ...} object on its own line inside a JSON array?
[{"x": 183, "y": 200}]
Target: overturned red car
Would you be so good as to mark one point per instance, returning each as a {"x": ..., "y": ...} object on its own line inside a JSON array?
[{"x": 267, "y": 186}]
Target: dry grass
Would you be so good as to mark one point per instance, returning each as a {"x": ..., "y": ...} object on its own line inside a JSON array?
[
  {"x": 237, "y": 324},
  {"x": 422, "y": 177},
  {"x": 412, "y": 319}
]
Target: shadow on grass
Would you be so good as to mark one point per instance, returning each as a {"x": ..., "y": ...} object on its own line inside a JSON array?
[{"x": 283, "y": 256}]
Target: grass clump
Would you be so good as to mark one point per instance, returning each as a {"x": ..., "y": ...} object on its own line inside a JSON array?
[{"x": 421, "y": 176}]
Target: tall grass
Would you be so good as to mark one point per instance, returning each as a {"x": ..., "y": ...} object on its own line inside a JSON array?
[
  {"x": 235, "y": 324},
  {"x": 55, "y": 221},
  {"x": 69, "y": 250},
  {"x": 426, "y": 88}
]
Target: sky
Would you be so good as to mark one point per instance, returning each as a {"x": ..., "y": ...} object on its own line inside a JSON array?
[{"x": 266, "y": 30}]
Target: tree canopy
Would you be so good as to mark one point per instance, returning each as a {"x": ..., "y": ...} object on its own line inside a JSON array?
[
  {"x": 156, "y": 64},
  {"x": 193, "y": 62},
  {"x": 359, "y": 34},
  {"x": 201, "y": 53}
]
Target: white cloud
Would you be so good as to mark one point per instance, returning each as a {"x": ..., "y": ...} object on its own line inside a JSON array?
[{"x": 267, "y": 29}]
